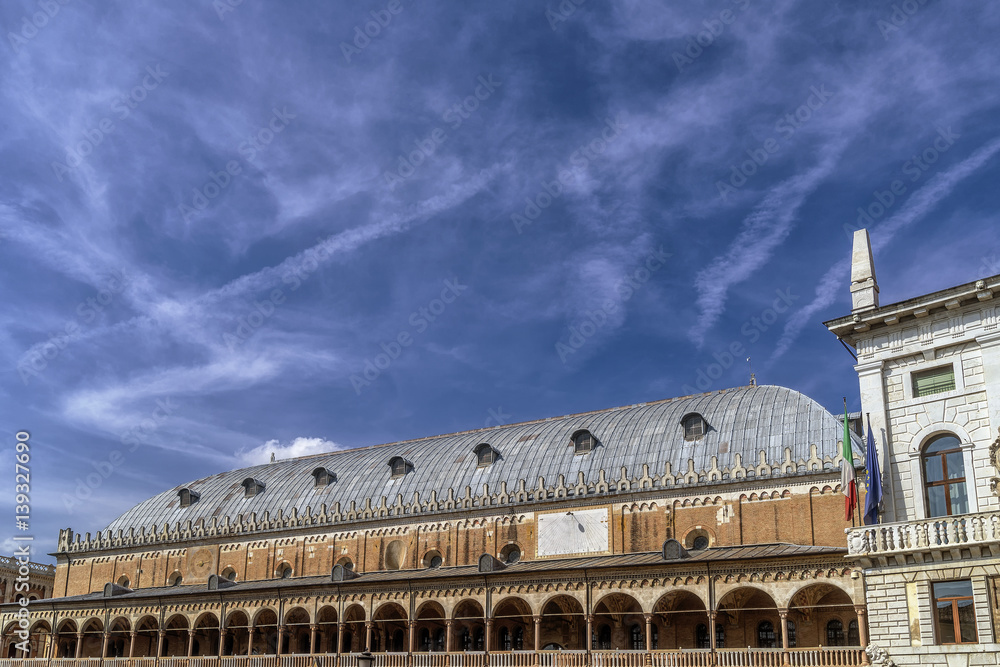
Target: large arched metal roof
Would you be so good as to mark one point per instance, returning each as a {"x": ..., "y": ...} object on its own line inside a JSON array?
[{"x": 743, "y": 420}]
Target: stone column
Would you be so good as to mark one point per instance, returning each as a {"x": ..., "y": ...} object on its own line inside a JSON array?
[
  {"x": 448, "y": 624},
  {"x": 783, "y": 620},
  {"x": 590, "y": 633},
  {"x": 711, "y": 630},
  {"x": 340, "y": 635},
  {"x": 104, "y": 644},
  {"x": 538, "y": 632},
  {"x": 190, "y": 642},
  {"x": 369, "y": 626},
  {"x": 250, "y": 630},
  {"x": 131, "y": 643},
  {"x": 412, "y": 627},
  {"x": 312, "y": 637},
  {"x": 79, "y": 645},
  {"x": 282, "y": 635},
  {"x": 160, "y": 636},
  {"x": 489, "y": 634},
  {"x": 863, "y": 631},
  {"x": 649, "y": 638},
  {"x": 222, "y": 640}
]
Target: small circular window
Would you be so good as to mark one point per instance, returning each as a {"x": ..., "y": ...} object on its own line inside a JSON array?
[
  {"x": 436, "y": 561},
  {"x": 433, "y": 559},
  {"x": 697, "y": 539},
  {"x": 229, "y": 573},
  {"x": 286, "y": 572},
  {"x": 700, "y": 542},
  {"x": 346, "y": 563},
  {"x": 510, "y": 554}
]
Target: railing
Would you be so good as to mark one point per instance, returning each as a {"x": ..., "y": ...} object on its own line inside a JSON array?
[
  {"x": 682, "y": 658},
  {"x": 743, "y": 657},
  {"x": 618, "y": 658},
  {"x": 923, "y": 534}
]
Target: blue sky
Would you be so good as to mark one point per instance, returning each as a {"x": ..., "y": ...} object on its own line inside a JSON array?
[{"x": 232, "y": 228}]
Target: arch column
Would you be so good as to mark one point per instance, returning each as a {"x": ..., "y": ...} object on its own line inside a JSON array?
[
  {"x": 160, "y": 636},
  {"x": 448, "y": 624},
  {"x": 711, "y": 631},
  {"x": 538, "y": 632},
  {"x": 79, "y": 645},
  {"x": 340, "y": 635},
  {"x": 104, "y": 644},
  {"x": 312, "y": 637},
  {"x": 282, "y": 635},
  {"x": 131, "y": 643},
  {"x": 649, "y": 638},
  {"x": 250, "y": 631},
  {"x": 190, "y": 642},
  {"x": 783, "y": 621},
  {"x": 489, "y": 633},
  {"x": 222, "y": 640},
  {"x": 412, "y": 627},
  {"x": 590, "y": 633},
  {"x": 862, "y": 612},
  {"x": 369, "y": 626}
]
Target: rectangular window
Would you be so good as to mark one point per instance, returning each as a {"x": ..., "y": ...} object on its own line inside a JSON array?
[
  {"x": 955, "y": 613},
  {"x": 933, "y": 381}
]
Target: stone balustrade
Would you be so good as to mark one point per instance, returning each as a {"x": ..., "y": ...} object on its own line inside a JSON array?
[
  {"x": 980, "y": 531},
  {"x": 804, "y": 657}
]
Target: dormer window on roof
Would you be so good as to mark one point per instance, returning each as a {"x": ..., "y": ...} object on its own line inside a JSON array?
[
  {"x": 694, "y": 425},
  {"x": 323, "y": 477},
  {"x": 188, "y": 497},
  {"x": 485, "y": 455},
  {"x": 399, "y": 466},
  {"x": 251, "y": 487},
  {"x": 583, "y": 442}
]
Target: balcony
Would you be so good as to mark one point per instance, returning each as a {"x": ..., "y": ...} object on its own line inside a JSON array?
[
  {"x": 926, "y": 540},
  {"x": 749, "y": 657}
]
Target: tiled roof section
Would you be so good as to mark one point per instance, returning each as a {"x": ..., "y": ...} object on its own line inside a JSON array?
[
  {"x": 645, "y": 559},
  {"x": 742, "y": 421}
]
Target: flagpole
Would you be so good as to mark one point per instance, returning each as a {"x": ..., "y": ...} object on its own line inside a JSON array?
[{"x": 850, "y": 462}]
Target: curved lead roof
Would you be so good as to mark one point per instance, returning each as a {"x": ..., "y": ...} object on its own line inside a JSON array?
[{"x": 743, "y": 420}]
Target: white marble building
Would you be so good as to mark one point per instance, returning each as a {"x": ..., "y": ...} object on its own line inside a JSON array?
[{"x": 929, "y": 369}]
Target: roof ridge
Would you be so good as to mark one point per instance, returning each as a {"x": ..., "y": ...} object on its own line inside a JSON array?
[{"x": 525, "y": 423}]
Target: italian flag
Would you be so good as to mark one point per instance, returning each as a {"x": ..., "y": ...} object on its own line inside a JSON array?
[{"x": 847, "y": 482}]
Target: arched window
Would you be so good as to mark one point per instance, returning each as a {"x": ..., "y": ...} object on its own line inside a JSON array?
[
  {"x": 346, "y": 563},
  {"x": 790, "y": 628},
  {"x": 638, "y": 641},
  {"x": 322, "y": 477},
  {"x": 229, "y": 573},
  {"x": 583, "y": 442},
  {"x": 175, "y": 579},
  {"x": 720, "y": 635},
  {"x": 835, "y": 633},
  {"x": 518, "y": 639},
  {"x": 765, "y": 635},
  {"x": 478, "y": 639},
  {"x": 285, "y": 571},
  {"x": 399, "y": 466},
  {"x": 425, "y": 640},
  {"x": 123, "y": 581},
  {"x": 485, "y": 455},
  {"x": 433, "y": 559},
  {"x": 505, "y": 639},
  {"x": 944, "y": 477},
  {"x": 853, "y": 639},
  {"x": 440, "y": 640},
  {"x": 701, "y": 636},
  {"x": 694, "y": 426},
  {"x": 656, "y": 638},
  {"x": 604, "y": 638},
  {"x": 466, "y": 640}
]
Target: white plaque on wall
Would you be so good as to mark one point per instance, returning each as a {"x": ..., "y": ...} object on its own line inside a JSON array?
[{"x": 573, "y": 533}]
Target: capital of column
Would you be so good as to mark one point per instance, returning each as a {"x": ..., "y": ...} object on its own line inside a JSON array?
[
  {"x": 411, "y": 624},
  {"x": 489, "y": 622},
  {"x": 860, "y": 609},
  {"x": 648, "y": 617},
  {"x": 783, "y": 613},
  {"x": 79, "y": 635},
  {"x": 283, "y": 630},
  {"x": 314, "y": 626},
  {"x": 223, "y": 632},
  {"x": 712, "y": 615},
  {"x": 448, "y": 623},
  {"x": 369, "y": 625},
  {"x": 133, "y": 633},
  {"x": 161, "y": 633},
  {"x": 191, "y": 632},
  {"x": 537, "y": 619}
]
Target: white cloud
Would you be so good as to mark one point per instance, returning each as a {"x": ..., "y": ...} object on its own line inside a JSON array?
[{"x": 296, "y": 448}]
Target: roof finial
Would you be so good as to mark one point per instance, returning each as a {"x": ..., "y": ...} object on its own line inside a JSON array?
[
  {"x": 864, "y": 286},
  {"x": 272, "y": 457},
  {"x": 753, "y": 378}
]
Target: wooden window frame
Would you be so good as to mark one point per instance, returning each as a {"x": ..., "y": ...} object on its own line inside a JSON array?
[
  {"x": 945, "y": 481},
  {"x": 956, "y": 627}
]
